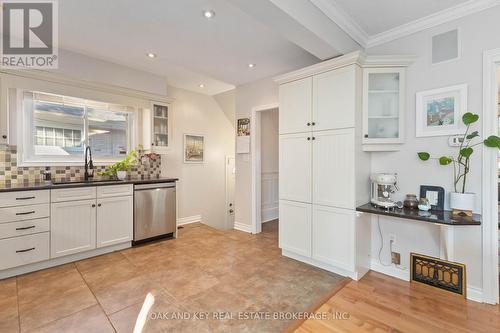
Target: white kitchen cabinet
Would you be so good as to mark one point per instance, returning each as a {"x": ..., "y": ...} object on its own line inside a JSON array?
[
  {"x": 383, "y": 108},
  {"x": 295, "y": 167},
  {"x": 295, "y": 234},
  {"x": 114, "y": 220},
  {"x": 18, "y": 251},
  {"x": 333, "y": 236},
  {"x": 333, "y": 181},
  {"x": 295, "y": 100},
  {"x": 334, "y": 98},
  {"x": 72, "y": 227},
  {"x": 160, "y": 126}
]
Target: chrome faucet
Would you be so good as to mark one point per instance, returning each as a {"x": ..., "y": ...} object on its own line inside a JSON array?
[{"x": 88, "y": 164}]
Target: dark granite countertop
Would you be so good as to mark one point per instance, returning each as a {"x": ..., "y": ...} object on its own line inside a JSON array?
[
  {"x": 69, "y": 184},
  {"x": 440, "y": 217}
]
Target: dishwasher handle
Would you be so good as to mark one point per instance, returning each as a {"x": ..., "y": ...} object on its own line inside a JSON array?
[{"x": 153, "y": 186}]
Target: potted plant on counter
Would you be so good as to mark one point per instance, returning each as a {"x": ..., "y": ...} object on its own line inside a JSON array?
[
  {"x": 462, "y": 202},
  {"x": 119, "y": 169}
]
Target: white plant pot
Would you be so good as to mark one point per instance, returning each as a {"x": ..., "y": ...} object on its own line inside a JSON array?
[
  {"x": 462, "y": 201},
  {"x": 121, "y": 175}
]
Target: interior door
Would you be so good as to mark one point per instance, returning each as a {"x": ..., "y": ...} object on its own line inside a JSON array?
[
  {"x": 295, "y": 167},
  {"x": 230, "y": 186},
  {"x": 333, "y": 168},
  {"x": 334, "y": 98},
  {"x": 295, "y": 106}
]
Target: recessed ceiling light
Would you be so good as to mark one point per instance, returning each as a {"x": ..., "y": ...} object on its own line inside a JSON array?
[
  {"x": 201, "y": 85},
  {"x": 251, "y": 65},
  {"x": 151, "y": 55},
  {"x": 208, "y": 14}
]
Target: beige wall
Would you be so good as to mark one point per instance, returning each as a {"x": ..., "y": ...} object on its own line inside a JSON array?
[
  {"x": 249, "y": 96},
  {"x": 201, "y": 189},
  {"x": 269, "y": 139}
]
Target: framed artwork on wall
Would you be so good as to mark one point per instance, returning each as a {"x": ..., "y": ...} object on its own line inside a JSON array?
[
  {"x": 435, "y": 195},
  {"x": 439, "y": 111},
  {"x": 194, "y": 148},
  {"x": 244, "y": 127}
]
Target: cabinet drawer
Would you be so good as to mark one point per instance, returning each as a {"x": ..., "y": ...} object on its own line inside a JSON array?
[
  {"x": 21, "y": 213},
  {"x": 22, "y": 198},
  {"x": 20, "y": 228},
  {"x": 114, "y": 191},
  {"x": 72, "y": 194},
  {"x": 24, "y": 250}
]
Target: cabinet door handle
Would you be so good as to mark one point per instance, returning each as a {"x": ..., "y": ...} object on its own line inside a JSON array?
[
  {"x": 314, "y": 138},
  {"x": 93, "y": 205},
  {"x": 25, "y": 250},
  {"x": 98, "y": 205},
  {"x": 26, "y": 228},
  {"x": 4, "y": 136},
  {"x": 313, "y": 123},
  {"x": 308, "y": 124},
  {"x": 25, "y": 198},
  {"x": 26, "y": 213},
  {"x": 308, "y": 138}
]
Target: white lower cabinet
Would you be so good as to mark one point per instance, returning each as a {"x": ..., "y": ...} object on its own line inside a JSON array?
[
  {"x": 73, "y": 227},
  {"x": 114, "y": 220},
  {"x": 18, "y": 251},
  {"x": 295, "y": 230},
  {"x": 333, "y": 236}
]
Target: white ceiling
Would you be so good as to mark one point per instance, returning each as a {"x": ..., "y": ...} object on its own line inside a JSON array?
[
  {"x": 191, "y": 49},
  {"x": 376, "y": 16}
]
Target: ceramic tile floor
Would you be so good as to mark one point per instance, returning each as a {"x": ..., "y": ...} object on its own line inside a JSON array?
[{"x": 203, "y": 271}]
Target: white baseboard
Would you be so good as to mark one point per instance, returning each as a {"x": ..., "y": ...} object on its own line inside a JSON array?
[
  {"x": 473, "y": 293},
  {"x": 270, "y": 214},
  {"x": 393, "y": 271},
  {"x": 243, "y": 227},
  {"x": 189, "y": 219}
]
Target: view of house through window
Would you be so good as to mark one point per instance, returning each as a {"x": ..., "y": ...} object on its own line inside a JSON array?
[{"x": 62, "y": 126}]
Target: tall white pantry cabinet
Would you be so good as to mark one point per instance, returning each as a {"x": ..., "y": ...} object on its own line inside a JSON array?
[{"x": 324, "y": 170}]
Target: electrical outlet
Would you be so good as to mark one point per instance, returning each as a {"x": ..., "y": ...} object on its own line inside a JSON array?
[
  {"x": 392, "y": 238},
  {"x": 396, "y": 258}
]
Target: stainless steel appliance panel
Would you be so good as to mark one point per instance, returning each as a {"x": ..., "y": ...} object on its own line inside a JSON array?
[{"x": 154, "y": 210}]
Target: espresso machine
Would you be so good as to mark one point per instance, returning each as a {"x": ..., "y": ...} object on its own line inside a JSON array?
[{"x": 383, "y": 185}]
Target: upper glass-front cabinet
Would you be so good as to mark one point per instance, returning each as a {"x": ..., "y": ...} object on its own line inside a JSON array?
[
  {"x": 160, "y": 126},
  {"x": 383, "y": 108}
]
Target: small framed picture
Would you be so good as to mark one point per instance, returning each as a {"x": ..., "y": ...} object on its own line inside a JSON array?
[
  {"x": 243, "y": 127},
  {"x": 194, "y": 148},
  {"x": 439, "y": 111},
  {"x": 435, "y": 195}
]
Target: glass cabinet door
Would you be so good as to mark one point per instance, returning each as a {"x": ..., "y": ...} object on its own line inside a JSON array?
[
  {"x": 382, "y": 105},
  {"x": 160, "y": 125}
]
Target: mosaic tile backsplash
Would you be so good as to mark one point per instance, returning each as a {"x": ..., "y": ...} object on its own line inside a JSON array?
[{"x": 11, "y": 174}]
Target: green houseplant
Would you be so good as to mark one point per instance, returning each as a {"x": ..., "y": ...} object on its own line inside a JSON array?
[
  {"x": 119, "y": 169},
  {"x": 460, "y": 200}
]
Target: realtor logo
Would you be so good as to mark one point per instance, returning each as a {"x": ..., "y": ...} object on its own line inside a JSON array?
[{"x": 29, "y": 34}]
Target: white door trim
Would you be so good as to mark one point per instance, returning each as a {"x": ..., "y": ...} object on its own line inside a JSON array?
[
  {"x": 255, "y": 161},
  {"x": 491, "y": 62},
  {"x": 226, "y": 204}
]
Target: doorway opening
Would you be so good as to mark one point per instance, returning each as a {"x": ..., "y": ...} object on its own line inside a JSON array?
[
  {"x": 490, "y": 177},
  {"x": 264, "y": 137}
]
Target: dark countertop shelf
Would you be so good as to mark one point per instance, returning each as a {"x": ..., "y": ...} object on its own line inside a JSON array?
[
  {"x": 440, "y": 217},
  {"x": 50, "y": 185}
]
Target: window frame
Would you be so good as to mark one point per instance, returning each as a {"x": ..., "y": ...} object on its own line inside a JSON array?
[{"x": 26, "y": 136}]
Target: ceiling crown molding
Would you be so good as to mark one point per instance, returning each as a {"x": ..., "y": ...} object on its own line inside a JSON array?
[
  {"x": 343, "y": 20},
  {"x": 349, "y": 25},
  {"x": 433, "y": 20}
]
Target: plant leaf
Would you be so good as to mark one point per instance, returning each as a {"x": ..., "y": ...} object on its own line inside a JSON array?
[
  {"x": 466, "y": 152},
  {"x": 444, "y": 160},
  {"x": 469, "y": 118},
  {"x": 472, "y": 135},
  {"x": 424, "y": 156},
  {"x": 492, "y": 141}
]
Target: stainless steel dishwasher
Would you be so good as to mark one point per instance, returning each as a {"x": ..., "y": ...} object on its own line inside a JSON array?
[{"x": 154, "y": 211}]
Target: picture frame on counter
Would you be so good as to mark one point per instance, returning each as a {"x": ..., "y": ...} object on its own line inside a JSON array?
[
  {"x": 439, "y": 111},
  {"x": 435, "y": 195}
]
